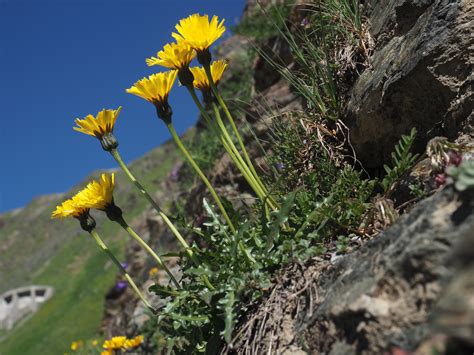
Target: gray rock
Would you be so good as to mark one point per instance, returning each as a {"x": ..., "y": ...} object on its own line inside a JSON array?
[
  {"x": 402, "y": 289},
  {"x": 421, "y": 76}
]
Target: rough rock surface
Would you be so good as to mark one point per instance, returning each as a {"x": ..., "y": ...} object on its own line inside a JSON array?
[
  {"x": 410, "y": 284},
  {"x": 421, "y": 76}
]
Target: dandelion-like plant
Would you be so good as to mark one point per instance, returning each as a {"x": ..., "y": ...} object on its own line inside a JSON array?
[
  {"x": 73, "y": 208},
  {"x": 155, "y": 89},
  {"x": 121, "y": 343},
  {"x": 201, "y": 82},
  {"x": 176, "y": 56},
  {"x": 200, "y": 33},
  {"x": 99, "y": 195},
  {"x": 101, "y": 126}
]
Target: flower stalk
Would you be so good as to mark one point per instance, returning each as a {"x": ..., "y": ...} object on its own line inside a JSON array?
[
  {"x": 121, "y": 221},
  {"x": 203, "y": 177},
  {"x": 171, "y": 226},
  {"x": 106, "y": 250},
  {"x": 101, "y": 126},
  {"x": 222, "y": 104},
  {"x": 220, "y": 130},
  {"x": 224, "y": 107}
]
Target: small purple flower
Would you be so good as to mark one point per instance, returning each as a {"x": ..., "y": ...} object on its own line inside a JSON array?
[
  {"x": 174, "y": 174},
  {"x": 305, "y": 22},
  {"x": 124, "y": 265},
  {"x": 121, "y": 285}
]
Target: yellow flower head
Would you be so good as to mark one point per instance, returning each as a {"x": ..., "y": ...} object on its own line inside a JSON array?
[
  {"x": 97, "y": 194},
  {"x": 155, "y": 88},
  {"x": 69, "y": 208},
  {"x": 201, "y": 81},
  {"x": 76, "y": 345},
  {"x": 100, "y": 125},
  {"x": 133, "y": 343},
  {"x": 174, "y": 56},
  {"x": 115, "y": 343},
  {"x": 107, "y": 352},
  {"x": 199, "y": 32},
  {"x": 153, "y": 271}
]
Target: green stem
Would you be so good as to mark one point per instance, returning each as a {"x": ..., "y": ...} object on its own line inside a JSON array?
[
  {"x": 142, "y": 190},
  {"x": 106, "y": 250},
  {"x": 256, "y": 184},
  {"x": 221, "y": 102},
  {"x": 229, "y": 146},
  {"x": 145, "y": 246},
  {"x": 201, "y": 175},
  {"x": 168, "y": 222},
  {"x": 218, "y": 96}
]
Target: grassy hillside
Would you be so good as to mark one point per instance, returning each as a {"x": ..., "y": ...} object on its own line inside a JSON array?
[{"x": 35, "y": 249}]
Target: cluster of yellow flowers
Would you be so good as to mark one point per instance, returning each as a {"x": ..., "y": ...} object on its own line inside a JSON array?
[
  {"x": 195, "y": 34},
  {"x": 112, "y": 345},
  {"x": 121, "y": 343}
]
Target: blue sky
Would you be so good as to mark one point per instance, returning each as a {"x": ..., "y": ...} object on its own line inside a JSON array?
[{"x": 65, "y": 59}]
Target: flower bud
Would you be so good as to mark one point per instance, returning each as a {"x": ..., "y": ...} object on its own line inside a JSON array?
[
  {"x": 185, "y": 76},
  {"x": 204, "y": 57},
  {"x": 113, "y": 212},
  {"x": 87, "y": 222},
  {"x": 164, "y": 111},
  {"x": 108, "y": 141}
]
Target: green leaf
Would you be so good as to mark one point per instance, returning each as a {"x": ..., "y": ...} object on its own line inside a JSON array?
[
  {"x": 229, "y": 320},
  {"x": 280, "y": 217},
  {"x": 402, "y": 161}
]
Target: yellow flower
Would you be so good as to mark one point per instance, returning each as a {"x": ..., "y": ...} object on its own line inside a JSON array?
[
  {"x": 198, "y": 32},
  {"x": 201, "y": 81},
  {"x": 153, "y": 272},
  {"x": 100, "y": 125},
  {"x": 155, "y": 88},
  {"x": 69, "y": 208},
  {"x": 94, "y": 342},
  {"x": 107, "y": 352},
  {"x": 174, "y": 56},
  {"x": 76, "y": 345},
  {"x": 115, "y": 343},
  {"x": 133, "y": 343},
  {"x": 97, "y": 194}
]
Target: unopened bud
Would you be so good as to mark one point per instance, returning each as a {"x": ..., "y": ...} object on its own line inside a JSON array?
[
  {"x": 108, "y": 141},
  {"x": 204, "y": 57},
  {"x": 113, "y": 212},
  {"x": 87, "y": 222},
  {"x": 164, "y": 111},
  {"x": 185, "y": 76}
]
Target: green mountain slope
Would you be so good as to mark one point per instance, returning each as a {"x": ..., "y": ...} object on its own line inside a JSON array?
[{"x": 37, "y": 250}]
